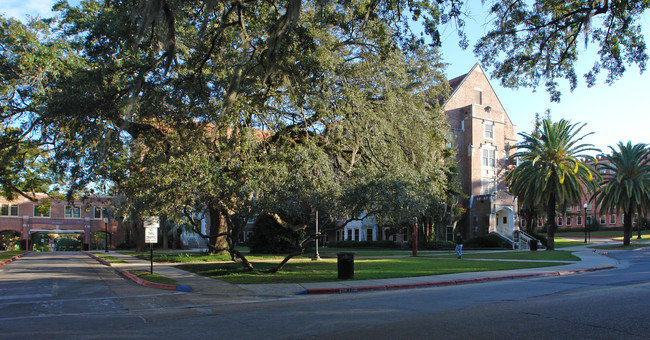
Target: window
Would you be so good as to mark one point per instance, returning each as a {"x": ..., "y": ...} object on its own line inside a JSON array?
[
  {"x": 72, "y": 212},
  {"x": 369, "y": 234},
  {"x": 559, "y": 221},
  {"x": 7, "y": 209},
  {"x": 100, "y": 212},
  {"x": 568, "y": 221},
  {"x": 405, "y": 235},
  {"x": 602, "y": 219},
  {"x": 612, "y": 219},
  {"x": 505, "y": 219},
  {"x": 579, "y": 222},
  {"x": 41, "y": 210},
  {"x": 489, "y": 131},
  {"x": 489, "y": 157},
  {"x": 488, "y": 185},
  {"x": 349, "y": 234},
  {"x": 588, "y": 220},
  {"x": 478, "y": 99},
  {"x": 356, "y": 234}
]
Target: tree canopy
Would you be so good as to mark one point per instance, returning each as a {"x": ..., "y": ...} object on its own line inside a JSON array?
[
  {"x": 626, "y": 183},
  {"x": 552, "y": 171},
  {"x": 537, "y": 43},
  {"x": 229, "y": 109}
]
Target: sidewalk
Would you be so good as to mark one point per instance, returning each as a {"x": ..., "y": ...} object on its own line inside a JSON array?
[{"x": 592, "y": 260}]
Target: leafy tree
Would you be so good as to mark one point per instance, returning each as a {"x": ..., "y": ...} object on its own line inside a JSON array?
[
  {"x": 551, "y": 170},
  {"x": 230, "y": 109},
  {"x": 536, "y": 43},
  {"x": 30, "y": 59},
  {"x": 626, "y": 186}
]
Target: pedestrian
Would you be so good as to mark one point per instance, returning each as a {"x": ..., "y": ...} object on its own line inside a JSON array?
[{"x": 459, "y": 245}]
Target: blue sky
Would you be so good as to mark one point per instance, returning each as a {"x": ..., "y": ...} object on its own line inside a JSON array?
[{"x": 614, "y": 113}]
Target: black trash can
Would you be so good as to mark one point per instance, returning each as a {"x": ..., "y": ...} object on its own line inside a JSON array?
[
  {"x": 345, "y": 265},
  {"x": 533, "y": 245}
]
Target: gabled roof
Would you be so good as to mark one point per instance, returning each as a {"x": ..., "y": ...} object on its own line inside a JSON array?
[{"x": 457, "y": 82}]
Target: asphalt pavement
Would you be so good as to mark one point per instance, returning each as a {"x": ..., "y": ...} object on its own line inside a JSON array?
[{"x": 591, "y": 260}]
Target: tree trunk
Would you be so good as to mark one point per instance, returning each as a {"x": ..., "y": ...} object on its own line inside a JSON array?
[
  {"x": 627, "y": 228},
  {"x": 165, "y": 232},
  {"x": 550, "y": 223},
  {"x": 139, "y": 242},
  {"x": 218, "y": 225}
]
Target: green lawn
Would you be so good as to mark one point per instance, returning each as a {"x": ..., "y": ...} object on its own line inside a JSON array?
[
  {"x": 109, "y": 258},
  {"x": 564, "y": 243},
  {"x": 9, "y": 254},
  {"x": 601, "y": 233},
  {"x": 559, "y": 255},
  {"x": 622, "y": 247},
  {"x": 365, "y": 269},
  {"x": 153, "y": 277},
  {"x": 182, "y": 257}
]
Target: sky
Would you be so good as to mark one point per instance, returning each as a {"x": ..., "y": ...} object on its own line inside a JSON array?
[{"x": 613, "y": 113}]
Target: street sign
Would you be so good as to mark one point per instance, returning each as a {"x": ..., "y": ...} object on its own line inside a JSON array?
[
  {"x": 151, "y": 235},
  {"x": 151, "y": 222}
]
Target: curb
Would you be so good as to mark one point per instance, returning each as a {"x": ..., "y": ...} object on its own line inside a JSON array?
[
  {"x": 443, "y": 283},
  {"x": 103, "y": 261},
  {"x": 139, "y": 280},
  {"x": 14, "y": 258},
  {"x": 147, "y": 283}
]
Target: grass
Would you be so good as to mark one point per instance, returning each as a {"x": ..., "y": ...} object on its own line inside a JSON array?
[
  {"x": 182, "y": 257},
  {"x": 560, "y": 255},
  {"x": 9, "y": 254},
  {"x": 600, "y": 233},
  {"x": 564, "y": 243},
  {"x": 622, "y": 247},
  {"x": 365, "y": 269},
  {"x": 153, "y": 277},
  {"x": 109, "y": 258}
]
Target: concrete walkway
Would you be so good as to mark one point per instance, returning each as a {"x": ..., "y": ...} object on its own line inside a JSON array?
[{"x": 591, "y": 260}]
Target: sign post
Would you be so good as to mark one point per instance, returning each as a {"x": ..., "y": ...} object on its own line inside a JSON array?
[{"x": 151, "y": 225}]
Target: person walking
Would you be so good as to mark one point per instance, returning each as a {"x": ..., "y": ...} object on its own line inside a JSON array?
[{"x": 459, "y": 245}]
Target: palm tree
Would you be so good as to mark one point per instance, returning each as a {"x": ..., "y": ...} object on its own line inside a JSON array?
[
  {"x": 551, "y": 170},
  {"x": 626, "y": 186}
]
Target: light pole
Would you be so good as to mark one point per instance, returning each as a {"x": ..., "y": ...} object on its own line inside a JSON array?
[
  {"x": 585, "y": 206},
  {"x": 105, "y": 234}
]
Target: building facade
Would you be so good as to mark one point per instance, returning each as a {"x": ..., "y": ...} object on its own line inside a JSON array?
[
  {"x": 85, "y": 218},
  {"x": 484, "y": 137}
]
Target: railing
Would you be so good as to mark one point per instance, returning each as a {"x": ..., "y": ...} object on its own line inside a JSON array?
[{"x": 523, "y": 242}]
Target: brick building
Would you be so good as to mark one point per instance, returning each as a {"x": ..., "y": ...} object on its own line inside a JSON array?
[
  {"x": 484, "y": 137},
  {"x": 587, "y": 212},
  {"x": 85, "y": 218}
]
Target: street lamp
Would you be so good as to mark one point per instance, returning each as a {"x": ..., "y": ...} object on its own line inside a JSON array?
[
  {"x": 105, "y": 234},
  {"x": 585, "y": 206}
]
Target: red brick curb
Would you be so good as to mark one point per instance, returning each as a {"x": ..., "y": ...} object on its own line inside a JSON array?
[
  {"x": 12, "y": 259},
  {"x": 444, "y": 283},
  {"x": 139, "y": 280},
  {"x": 147, "y": 283},
  {"x": 103, "y": 261}
]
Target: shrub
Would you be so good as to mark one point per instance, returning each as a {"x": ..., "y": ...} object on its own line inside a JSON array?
[
  {"x": 271, "y": 238},
  {"x": 440, "y": 245},
  {"x": 541, "y": 237},
  {"x": 363, "y": 244},
  {"x": 487, "y": 241}
]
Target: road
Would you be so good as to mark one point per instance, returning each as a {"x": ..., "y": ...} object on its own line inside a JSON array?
[{"x": 70, "y": 296}]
